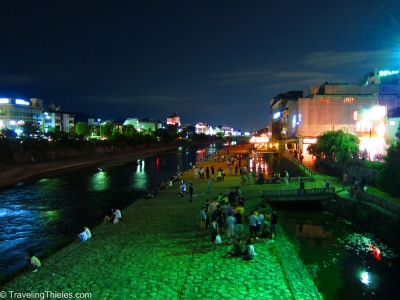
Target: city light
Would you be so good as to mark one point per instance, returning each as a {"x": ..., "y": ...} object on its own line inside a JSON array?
[
  {"x": 4, "y": 100},
  {"x": 276, "y": 115},
  {"x": 387, "y": 73},
  {"x": 22, "y": 102},
  {"x": 365, "y": 278}
]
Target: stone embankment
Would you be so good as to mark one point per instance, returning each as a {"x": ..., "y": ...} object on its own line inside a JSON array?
[
  {"x": 157, "y": 252},
  {"x": 69, "y": 158}
]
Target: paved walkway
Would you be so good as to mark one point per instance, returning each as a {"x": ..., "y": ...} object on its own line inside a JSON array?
[{"x": 156, "y": 252}]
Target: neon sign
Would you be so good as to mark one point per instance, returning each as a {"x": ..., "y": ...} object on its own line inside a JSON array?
[
  {"x": 22, "y": 102},
  {"x": 387, "y": 73}
]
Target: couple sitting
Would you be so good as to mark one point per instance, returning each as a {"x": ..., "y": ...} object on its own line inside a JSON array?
[
  {"x": 115, "y": 217},
  {"x": 237, "y": 250}
]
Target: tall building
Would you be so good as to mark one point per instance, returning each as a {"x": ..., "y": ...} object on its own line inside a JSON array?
[
  {"x": 15, "y": 112},
  {"x": 60, "y": 120}
]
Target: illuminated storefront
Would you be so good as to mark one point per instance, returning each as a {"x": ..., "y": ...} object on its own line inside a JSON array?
[
  {"x": 15, "y": 112},
  {"x": 371, "y": 130}
]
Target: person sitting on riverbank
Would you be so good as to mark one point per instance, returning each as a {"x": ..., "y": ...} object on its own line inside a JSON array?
[
  {"x": 84, "y": 235},
  {"x": 182, "y": 188},
  {"x": 115, "y": 217},
  {"x": 237, "y": 249},
  {"x": 250, "y": 250},
  {"x": 33, "y": 262}
]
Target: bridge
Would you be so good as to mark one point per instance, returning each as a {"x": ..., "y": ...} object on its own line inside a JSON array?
[{"x": 312, "y": 194}]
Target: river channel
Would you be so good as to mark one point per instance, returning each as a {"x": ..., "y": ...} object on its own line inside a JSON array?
[{"x": 42, "y": 210}]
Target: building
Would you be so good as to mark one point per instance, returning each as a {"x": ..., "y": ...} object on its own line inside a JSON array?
[
  {"x": 332, "y": 106},
  {"x": 201, "y": 127},
  {"x": 144, "y": 124},
  {"x": 392, "y": 125},
  {"x": 279, "y": 125},
  {"x": 15, "y": 112},
  {"x": 174, "y": 119},
  {"x": 55, "y": 118}
]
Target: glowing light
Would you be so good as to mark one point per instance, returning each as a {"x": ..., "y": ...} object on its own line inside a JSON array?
[
  {"x": 4, "y": 100},
  {"x": 392, "y": 123},
  {"x": 12, "y": 122},
  {"x": 22, "y": 102},
  {"x": 355, "y": 115},
  {"x": 365, "y": 278},
  {"x": 380, "y": 129},
  {"x": 309, "y": 141},
  {"x": 276, "y": 115},
  {"x": 387, "y": 73}
]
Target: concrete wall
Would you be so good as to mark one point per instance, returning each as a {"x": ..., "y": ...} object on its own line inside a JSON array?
[{"x": 66, "y": 158}]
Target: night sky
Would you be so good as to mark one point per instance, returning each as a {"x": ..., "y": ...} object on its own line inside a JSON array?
[{"x": 214, "y": 61}]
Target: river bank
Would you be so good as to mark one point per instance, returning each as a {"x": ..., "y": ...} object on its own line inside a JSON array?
[
  {"x": 12, "y": 174},
  {"x": 157, "y": 252}
]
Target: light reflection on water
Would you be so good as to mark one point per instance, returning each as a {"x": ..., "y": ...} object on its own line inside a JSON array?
[
  {"x": 47, "y": 208},
  {"x": 337, "y": 253}
]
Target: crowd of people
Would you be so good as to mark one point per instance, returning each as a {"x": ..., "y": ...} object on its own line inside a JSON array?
[{"x": 226, "y": 215}]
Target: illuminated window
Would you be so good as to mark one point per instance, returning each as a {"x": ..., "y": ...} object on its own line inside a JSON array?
[
  {"x": 348, "y": 100},
  {"x": 392, "y": 123}
]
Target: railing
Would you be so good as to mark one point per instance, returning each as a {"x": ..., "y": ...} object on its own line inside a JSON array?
[
  {"x": 299, "y": 192},
  {"x": 299, "y": 164}
]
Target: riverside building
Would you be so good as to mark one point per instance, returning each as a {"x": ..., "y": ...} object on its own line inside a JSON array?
[{"x": 300, "y": 117}]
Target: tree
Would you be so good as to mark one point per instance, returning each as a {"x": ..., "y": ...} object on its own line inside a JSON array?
[
  {"x": 398, "y": 133},
  {"x": 29, "y": 128},
  {"x": 339, "y": 144},
  {"x": 8, "y": 133},
  {"x": 389, "y": 176},
  {"x": 106, "y": 129},
  {"x": 82, "y": 128}
]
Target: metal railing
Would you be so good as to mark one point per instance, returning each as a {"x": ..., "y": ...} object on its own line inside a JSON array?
[{"x": 299, "y": 192}]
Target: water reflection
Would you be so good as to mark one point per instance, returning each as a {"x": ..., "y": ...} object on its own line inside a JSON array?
[
  {"x": 99, "y": 181},
  {"x": 341, "y": 256}
]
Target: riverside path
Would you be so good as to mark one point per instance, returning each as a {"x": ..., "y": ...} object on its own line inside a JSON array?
[{"x": 157, "y": 252}]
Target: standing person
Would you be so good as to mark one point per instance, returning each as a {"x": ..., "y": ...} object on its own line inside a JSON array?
[
  {"x": 208, "y": 173},
  {"x": 230, "y": 170},
  {"x": 236, "y": 169},
  {"x": 301, "y": 186},
  {"x": 220, "y": 218},
  {"x": 219, "y": 175},
  {"x": 223, "y": 175},
  {"x": 238, "y": 224},
  {"x": 209, "y": 185},
  {"x": 208, "y": 214},
  {"x": 260, "y": 221},
  {"x": 214, "y": 205},
  {"x": 253, "y": 225},
  {"x": 203, "y": 219},
  {"x": 212, "y": 172},
  {"x": 195, "y": 172},
  {"x": 274, "y": 224},
  {"x": 190, "y": 191},
  {"x": 344, "y": 180},
  {"x": 287, "y": 177},
  {"x": 201, "y": 172},
  {"x": 230, "y": 227},
  {"x": 214, "y": 231},
  {"x": 33, "y": 262}
]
